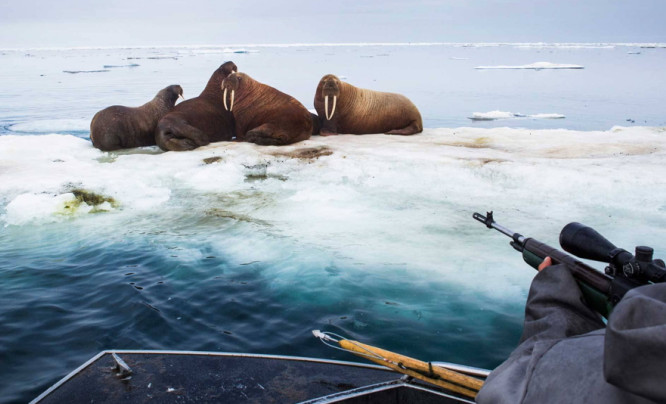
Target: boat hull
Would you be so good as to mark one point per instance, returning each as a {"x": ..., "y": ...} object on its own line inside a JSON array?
[{"x": 166, "y": 376}]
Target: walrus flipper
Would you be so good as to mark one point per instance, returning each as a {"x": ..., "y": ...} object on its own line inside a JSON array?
[
  {"x": 178, "y": 144},
  {"x": 179, "y": 136},
  {"x": 329, "y": 128},
  {"x": 316, "y": 124},
  {"x": 410, "y": 129},
  {"x": 262, "y": 135},
  {"x": 109, "y": 142}
]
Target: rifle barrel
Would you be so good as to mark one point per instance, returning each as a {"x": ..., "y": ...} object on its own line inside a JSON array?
[{"x": 490, "y": 223}]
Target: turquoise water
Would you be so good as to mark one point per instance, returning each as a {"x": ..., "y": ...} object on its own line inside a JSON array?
[
  {"x": 70, "y": 290},
  {"x": 374, "y": 242}
]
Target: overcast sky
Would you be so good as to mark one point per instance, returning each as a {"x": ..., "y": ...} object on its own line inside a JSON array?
[{"x": 35, "y": 23}]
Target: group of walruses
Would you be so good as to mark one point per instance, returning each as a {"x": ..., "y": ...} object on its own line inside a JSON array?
[{"x": 235, "y": 106}]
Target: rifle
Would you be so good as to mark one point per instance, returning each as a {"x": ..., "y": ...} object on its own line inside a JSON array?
[{"x": 602, "y": 291}]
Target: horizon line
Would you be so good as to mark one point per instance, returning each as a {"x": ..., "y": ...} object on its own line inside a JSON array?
[{"x": 341, "y": 44}]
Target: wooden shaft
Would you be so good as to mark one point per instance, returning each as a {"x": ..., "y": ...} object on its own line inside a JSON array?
[{"x": 445, "y": 378}]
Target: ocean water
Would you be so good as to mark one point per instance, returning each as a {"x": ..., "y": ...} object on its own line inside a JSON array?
[{"x": 240, "y": 248}]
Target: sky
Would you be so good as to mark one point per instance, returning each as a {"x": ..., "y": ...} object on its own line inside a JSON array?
[{"x": 73, "y": 23}]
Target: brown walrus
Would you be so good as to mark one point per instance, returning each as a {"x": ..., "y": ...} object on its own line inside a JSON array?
[
  {"x": 199, "y": 120},
  {"x": 263, "y": 114},
  {"x": 361, "y": 111},
  {"x": 119, "y": 127}
]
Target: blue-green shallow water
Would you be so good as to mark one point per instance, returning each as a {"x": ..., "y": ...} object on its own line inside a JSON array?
[{"x": 75, "y": 295}]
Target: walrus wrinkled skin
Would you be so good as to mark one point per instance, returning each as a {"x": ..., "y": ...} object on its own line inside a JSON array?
[
  {"x": 263, "y": 114},
  {"x": 119, "y": 127},
  {"x": 199, "y": 120},
  {"x": 343, "y": 108}
]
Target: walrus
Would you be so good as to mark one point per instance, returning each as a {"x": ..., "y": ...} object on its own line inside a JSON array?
[
  {"x": 263, "y": 114},
  {"x": 199, "y": 120},
  {"x": 343, "y": 108},
  {"x": 119, "y": 127}
]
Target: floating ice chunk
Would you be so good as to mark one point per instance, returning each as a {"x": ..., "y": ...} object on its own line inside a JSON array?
[
  {"x": 86, "y": 71},
  {"x": 239, "y": 50},
  {"x": 44, "y": 207},
  {"x": 117, "y": 66},
  {"x": 495, "y": 115},
  {"x": 535, "y": 66},
  {"x": 491, "y": 116},
  {"x": 546, "y": 116},
  {"x": 51, "y": 126},
  {"x": 26, "y": 208}
]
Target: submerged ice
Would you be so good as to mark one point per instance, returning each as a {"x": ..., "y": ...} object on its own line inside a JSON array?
[{"x": 372, "y": 200}]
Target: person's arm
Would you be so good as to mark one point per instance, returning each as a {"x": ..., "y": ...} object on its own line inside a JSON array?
[
  {"x": 555, "y": 306},
  {"x": 554, "y": 310}
]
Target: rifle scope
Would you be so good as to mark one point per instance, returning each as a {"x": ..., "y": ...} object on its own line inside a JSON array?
[{"x": 585, "y": 242}]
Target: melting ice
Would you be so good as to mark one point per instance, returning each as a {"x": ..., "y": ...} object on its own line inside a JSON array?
[{"x": 372, "y": 199}]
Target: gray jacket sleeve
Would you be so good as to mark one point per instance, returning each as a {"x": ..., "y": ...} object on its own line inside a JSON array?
[
  {"x": 555, "y": 310},
  {"x": 635, "y": 344}
]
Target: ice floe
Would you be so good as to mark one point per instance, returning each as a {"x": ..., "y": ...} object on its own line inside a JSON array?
[
  {"x": 495, "y": 115},
  {"x": 535, "y": 66},
  {"x": 85, "y": 71},
  {"x": 52, "y": 126},
  {"x": 372, "y": 199},
  {"x": 121, "y": 66}
]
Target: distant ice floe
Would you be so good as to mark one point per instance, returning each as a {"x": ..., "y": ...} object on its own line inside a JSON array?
[
  {"x": 495, "y": 115},
  {"x": 120, "y": 66},
  {"x": 51, "y": 126},
  {"x": 241, "y": 50},
  {"x": 86, "y": 71},
  {"x": 156, "y": 57},
  {"x": 214, "y": 51},
  {"x": 535, "y": 66}
]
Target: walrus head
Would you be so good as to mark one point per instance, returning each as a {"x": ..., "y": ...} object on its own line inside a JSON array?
[
  {"x": 227, "y": 68},
  {"x": 330, "y": 87},
  {"x": 172, "y": 93},
  {"x": 230, "y": 84}
]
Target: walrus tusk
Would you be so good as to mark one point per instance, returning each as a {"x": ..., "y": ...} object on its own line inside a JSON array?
[
  {"x": 181, "y": 96},
  {"x": 224, "y": 98},
  {"x": 335, "y": 99},
  {"x": 233, "y": 92},
  {"x": 326, "y": 107}
]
